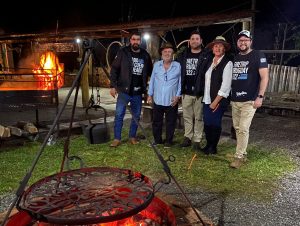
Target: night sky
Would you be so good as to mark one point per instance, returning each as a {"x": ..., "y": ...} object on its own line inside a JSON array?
[{"x": 27, "y": 16}]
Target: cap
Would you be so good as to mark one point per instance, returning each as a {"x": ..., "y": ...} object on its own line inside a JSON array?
[{"x": 244, "y": 33}]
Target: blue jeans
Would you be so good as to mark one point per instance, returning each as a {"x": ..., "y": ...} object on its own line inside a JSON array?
[{"x": 136, "y": 108}]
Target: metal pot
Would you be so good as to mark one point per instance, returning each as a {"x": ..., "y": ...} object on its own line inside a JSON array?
[{"x": 96, "y": 133}]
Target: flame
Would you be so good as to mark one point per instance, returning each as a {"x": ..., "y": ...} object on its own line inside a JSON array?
[
  {"x": 143, "y": 218},
  {"x": 157, "y": 213},
  {"x": 49, "y": 72}
]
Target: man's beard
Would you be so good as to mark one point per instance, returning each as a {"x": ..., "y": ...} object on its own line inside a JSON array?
[
  {"x": 196, "y": 47},
  {"x": 135, "y": 47},
  {"x": 244, "y": 50}
]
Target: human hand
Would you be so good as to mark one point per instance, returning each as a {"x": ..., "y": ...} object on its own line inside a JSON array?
[
  {"x": 113, "y": 92},
  {"x": 258, "y": 102},
  {"x": 174, "y": 101},
  {"x": 214, "y": 106},
  {"x": 149, "y": 100}
]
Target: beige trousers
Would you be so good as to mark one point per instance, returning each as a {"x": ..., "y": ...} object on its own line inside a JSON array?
[
  {"x": 193, "y": 117},
  {"x": 242, "y": 115}
]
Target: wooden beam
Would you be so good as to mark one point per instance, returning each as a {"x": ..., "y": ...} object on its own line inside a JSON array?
[{"x": 123, "y": 29}]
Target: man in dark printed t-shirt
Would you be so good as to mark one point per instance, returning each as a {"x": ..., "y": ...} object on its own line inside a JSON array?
[
  {"x": 193, "y": 61},
  {"x": 128, "y": 79},
  {"x": 249, "y": 82}
]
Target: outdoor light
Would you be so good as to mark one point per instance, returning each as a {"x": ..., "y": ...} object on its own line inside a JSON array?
[
  {"x": 146, "y": 36},
  {"x": 78, "y": 40}
]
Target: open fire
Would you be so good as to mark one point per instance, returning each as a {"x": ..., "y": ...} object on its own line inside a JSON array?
[
  {"x": 97, "y": 196},
  {"x": 47, "y": 75},
  {"x": 50, "y": 72},
  {"x": 157, "y": 213},
  {"x": 33, "y": 87}
]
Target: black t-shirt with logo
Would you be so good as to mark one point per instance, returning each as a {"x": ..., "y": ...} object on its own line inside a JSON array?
[
  {"x": 245, "y": 75},
  {"x": 138, "y": 63},
  {"x": 190, "y": 72}
]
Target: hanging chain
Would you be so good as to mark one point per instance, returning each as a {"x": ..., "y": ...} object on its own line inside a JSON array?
[
  {"x": 92, "y": 99},
  {"x": 98, "y": 87}
]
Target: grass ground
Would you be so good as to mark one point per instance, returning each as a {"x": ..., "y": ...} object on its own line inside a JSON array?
[{"x": 258, "y": 178}]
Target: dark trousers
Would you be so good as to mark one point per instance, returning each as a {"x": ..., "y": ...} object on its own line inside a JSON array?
[
  {"x": 213, "y": 118},
  {"x": 212, "y": 127},
  {"x": 158, "y": 117}
]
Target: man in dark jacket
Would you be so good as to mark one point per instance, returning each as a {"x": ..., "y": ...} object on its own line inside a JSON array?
[
  {"x": 128, "y": 76},
  {"x": 193, "y": 62}
]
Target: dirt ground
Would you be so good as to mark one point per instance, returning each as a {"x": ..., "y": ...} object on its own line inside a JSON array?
[
  {"x": 271, "y": 132},
  {"x": 274, "y": 131}
]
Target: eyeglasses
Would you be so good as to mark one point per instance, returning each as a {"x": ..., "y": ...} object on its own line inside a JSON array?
[
  {"x": 244, "y": 40},
  {"x": 166, "y": 78}
]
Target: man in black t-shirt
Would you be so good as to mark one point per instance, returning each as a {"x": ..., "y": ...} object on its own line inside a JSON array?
[
  {"x": 249, "y": 82},
  {"x": 192, "y": 81}
]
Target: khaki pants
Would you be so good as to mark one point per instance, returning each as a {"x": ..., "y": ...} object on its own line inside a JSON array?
[
  {"x": 193, "y": 117},
  {"x": 242, "y": 115}
]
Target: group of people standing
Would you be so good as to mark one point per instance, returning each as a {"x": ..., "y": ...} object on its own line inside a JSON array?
[{"x": 205, "y": 80}]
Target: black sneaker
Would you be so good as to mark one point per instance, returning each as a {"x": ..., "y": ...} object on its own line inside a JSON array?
[
  {"x": 210, "y": 151},
  {"x": 186, "y": 142}
]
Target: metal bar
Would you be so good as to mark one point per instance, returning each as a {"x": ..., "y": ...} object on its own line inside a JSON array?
[{"x": 280, "y": 51}]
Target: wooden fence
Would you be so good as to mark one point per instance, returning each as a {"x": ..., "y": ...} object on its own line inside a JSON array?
[
  {"x": 283, "y": 91},
  {"x": 284, "y": 79}
]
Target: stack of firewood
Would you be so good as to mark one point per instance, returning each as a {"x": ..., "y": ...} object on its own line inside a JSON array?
[{"x": 21, "y": 129}]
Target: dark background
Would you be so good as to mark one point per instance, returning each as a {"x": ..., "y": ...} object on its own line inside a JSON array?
[{"x": 49, "y": 16}]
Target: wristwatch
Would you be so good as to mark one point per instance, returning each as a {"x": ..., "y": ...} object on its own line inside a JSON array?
[{"x": 260, "y": 96}]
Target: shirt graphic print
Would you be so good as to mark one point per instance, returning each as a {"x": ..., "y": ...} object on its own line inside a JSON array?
[
  {"x": 191, "y": 65},
  {"x": 138, "y": 65},
  {"x": 240, "y": 70}
]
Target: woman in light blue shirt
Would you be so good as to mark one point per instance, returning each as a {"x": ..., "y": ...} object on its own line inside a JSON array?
[{"x": 164, "y": 92}]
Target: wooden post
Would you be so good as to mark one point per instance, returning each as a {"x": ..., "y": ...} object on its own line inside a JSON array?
[
  {"x": 153, "y": 46},
  {"x": 252, "y": 23},
  {"x": 246, "y": 25},
  {"x": 85, "y": 83}
]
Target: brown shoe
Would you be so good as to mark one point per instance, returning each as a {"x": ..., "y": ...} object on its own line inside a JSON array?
[
  {"x": 115, "y": 143},
  {"x": 230, "y": 157},
  {"x": 237, "y": 163},
  {"x": 133, "y": 141}
]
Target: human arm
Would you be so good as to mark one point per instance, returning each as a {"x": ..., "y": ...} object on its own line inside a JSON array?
[
  {"x": 264, "y": 79},
  {"x": 115, "y": 70},
  {"x": 151, "y": 87},
  {"x": 176, "y": 98}
]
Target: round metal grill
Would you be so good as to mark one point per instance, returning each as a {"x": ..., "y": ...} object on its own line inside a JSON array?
[{"x": 88, "y": 196}]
